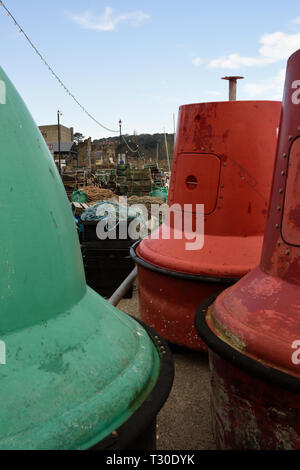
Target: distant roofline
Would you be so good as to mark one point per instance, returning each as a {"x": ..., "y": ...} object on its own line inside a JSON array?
[
  {"x": 64, "y": 146},
  {"x": 55, "y": 125}
]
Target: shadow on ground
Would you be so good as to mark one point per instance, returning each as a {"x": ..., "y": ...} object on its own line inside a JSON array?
[{"x": 184, "y": 422}]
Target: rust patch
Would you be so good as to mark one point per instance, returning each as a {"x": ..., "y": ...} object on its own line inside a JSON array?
[
  {"x": 226, "y": 335},
  {"x": 248, "y": 413},
  {"x": 294, "y": 216}
]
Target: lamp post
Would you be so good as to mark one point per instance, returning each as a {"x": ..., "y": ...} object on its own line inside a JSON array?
[
  {"x": 59, "y": 113},
  {"x": 120, "y": 155},
  {"x": 120, "y": 126}
]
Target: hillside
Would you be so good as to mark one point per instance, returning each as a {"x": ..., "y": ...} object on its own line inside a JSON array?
[{"x": 148, "y": 145}]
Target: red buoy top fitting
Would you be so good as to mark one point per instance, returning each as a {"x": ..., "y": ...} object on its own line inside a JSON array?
[
  {"x": 260, "y": 315},
  {"x": 224, "y": 157}
]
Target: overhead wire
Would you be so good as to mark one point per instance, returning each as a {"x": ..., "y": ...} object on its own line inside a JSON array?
[{"x": 21, "y": 30}]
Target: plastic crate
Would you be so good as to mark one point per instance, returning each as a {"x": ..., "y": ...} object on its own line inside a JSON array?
[{"x": 107, "y": 263}]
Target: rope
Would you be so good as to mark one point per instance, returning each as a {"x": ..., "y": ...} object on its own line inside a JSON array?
[{"x": 53, "y": 73}]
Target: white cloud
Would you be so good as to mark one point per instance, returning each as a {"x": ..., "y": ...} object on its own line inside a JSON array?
[
  {"x": 279, "y": 46},
  {"x": 271, "y": 89},
  {"x": 109, "y": 21},
  {"x": 274, "y": 48},
  {"x": 296, "y": 20},
  {"x": 235, "y": 61}
]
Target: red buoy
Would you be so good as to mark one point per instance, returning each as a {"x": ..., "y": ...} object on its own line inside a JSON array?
[
  {"x": 224, "y": 158},
  {"x": 253, "y": 328}
]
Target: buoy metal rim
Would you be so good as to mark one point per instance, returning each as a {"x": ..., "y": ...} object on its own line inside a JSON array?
[
  {"x": 245, "y": 363},
  {"x": 177, "y": 274},
  {"x": 124, "y": 436}
]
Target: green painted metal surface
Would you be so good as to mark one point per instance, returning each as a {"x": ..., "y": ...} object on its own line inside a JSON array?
[{"x": 76, "y": 367}]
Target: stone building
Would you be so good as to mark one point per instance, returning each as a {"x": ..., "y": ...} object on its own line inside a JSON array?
[
  {"x": 50, "y": 133},
  {"x": 68, "y": 151}
]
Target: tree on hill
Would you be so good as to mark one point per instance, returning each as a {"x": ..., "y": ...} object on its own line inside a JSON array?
[
  {"x": 78, "y": 138},
  {"x": 148, "y": 145}
]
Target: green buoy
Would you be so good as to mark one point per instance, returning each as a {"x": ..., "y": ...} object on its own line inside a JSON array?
[{"x": 78, "y": 373}]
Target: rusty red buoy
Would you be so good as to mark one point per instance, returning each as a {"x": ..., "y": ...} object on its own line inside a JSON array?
[
  {"x": 224, "y": 158},
  {"x": 253, "y": 328}
]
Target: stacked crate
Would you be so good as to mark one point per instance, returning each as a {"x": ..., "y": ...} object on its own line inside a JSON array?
[
  {"x": 107, "y": 263},
  {"x": 70, "y": 184},
  {"x": 102, "y": 178},
  {"x": 111, "y": 180},
  {"x": 155, "y": 173},
  {"x": 139, "y": 182},
  {"x": 122, "y": 177}
]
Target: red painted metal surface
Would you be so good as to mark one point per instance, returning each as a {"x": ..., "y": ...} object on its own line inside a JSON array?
[
  {"x": 223, "y": 158},
  {"x": 270, "y": 419},
  {"x": 170, "y": 305},
  {"x": 260, "y": 315}
]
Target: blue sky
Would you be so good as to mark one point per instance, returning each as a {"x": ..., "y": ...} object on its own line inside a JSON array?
[{"x": 140, "y": 60}]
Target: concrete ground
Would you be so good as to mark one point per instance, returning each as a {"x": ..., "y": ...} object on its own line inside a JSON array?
[{"x": 184, "y": 422}]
